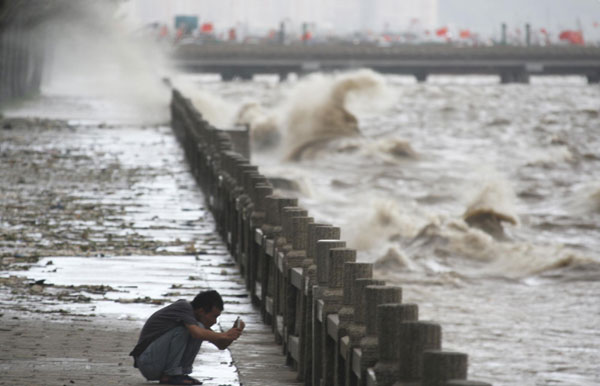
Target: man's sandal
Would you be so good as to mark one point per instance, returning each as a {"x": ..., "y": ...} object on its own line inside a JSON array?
[{"x": 179, "y": 380}]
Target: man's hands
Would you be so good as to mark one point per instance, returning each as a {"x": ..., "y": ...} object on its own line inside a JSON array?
[
  {"x": 230, "y": 335},
  {"x": 220, "y": 339},
  {"x": 239, "y": 323},
  {"x": 233, "y": 333}
]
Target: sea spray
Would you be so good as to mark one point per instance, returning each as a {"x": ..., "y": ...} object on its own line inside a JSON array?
[
  {"x": 377, "y": 223},
  {"x": 264, "y": 133},
  {"x": 92, "y": 51},
  {"x": 216, "y": 110}
]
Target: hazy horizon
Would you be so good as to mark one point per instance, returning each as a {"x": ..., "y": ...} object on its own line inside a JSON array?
[{"x": 484, "y": 17}]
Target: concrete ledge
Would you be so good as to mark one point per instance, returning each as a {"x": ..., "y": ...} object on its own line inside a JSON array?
[
  {"x": 258, "y": 236},
  {"x": 371, "y": 378},
  {"x": 333, "y": 324},
  {"x": 258, "y": 290},
  {"x": 280, "y": 329},
  {"x": 294, "y": 347},
  {"x": 320, "y": 305},
  {"x": 270, "y": 247},
  {"x": 356, "y": 359},
  {"x": 344, "y": 345},
  {"x": 296, "y": 278},
  {"x": 280, "y": 258}
]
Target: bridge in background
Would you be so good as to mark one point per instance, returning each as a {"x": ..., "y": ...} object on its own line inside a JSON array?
[{"x": 512, "y": 64}]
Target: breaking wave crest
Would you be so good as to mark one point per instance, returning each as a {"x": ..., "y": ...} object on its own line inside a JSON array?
[
  {"x": 453, "y": 246},
  {"x": 314, "y": 112},
  {"x": 397, "y": 241},
  {"x": 492, "y": 206},
  {"x": 318, "y": 112}
]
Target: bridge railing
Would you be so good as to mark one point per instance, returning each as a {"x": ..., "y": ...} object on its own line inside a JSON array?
[{"x": 337, "y": 325}]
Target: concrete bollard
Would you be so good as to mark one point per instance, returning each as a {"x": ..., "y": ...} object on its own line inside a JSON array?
[
  {"x": 291, "y": 258},
  {"x": 270, "y": 231},
  {"x": 300, "y": 233},
  {"x": 240, "y": 199},
  {"x": 286, "y": 207},
  {"x": 293, "y": 261},
  {"x": 322, "y": 257},
  {"x": 328, "y": 302},
  {"x": 252, "y": 181},
  {"x": 338, "y": 257},
  {"x": 288, "y": 213},
  {"x": 272, "y": 210},
  {"x": 374, "y": 296},
  {"x": 357, "y": 329},
  {"x": 359, "y": 301},
  {"x": 389, "y": 316},
  {"x": 250, "y": 219},
  {"x": 260, "y": 192},
  {"x": 309, "y": 271},
  {"x": 442, "y": 366},
  {"x": 352, "y": 271},
  {"x": 310, "y": 278},
  {"x": 414, "y": 338},
  {"x": 319, "y": 316},
  {"x": 318, "y": 232},
  {"x": 333, "y": 301},
  {"x": 282, "y": 203},
  {"x": 257, "y": 220},
  {"x": 294, "y": 290}
]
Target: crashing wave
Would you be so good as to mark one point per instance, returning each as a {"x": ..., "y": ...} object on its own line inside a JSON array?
[
  {"x": 490, "y": 209},
  {"x": 264, "y": 133},
  {"x": 318, "y": 113}
]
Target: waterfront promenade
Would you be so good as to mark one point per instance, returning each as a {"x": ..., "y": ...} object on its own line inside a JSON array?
[{"x": 102, "y": 223}]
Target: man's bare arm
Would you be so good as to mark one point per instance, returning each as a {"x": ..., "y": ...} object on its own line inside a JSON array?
[{"x": 220, "y": 339}]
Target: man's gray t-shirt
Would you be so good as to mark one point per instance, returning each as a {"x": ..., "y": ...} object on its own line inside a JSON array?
[{"x": 174, "y": 315}]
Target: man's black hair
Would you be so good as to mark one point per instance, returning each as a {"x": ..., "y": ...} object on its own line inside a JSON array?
[{"x": 207, "y": 300}]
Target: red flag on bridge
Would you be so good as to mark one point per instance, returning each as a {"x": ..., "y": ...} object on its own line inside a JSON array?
[
  {"x": 465, "y": 34},
  {"x": 441, "y": 31},
  {"x": 207, "y": 27},
  {"x": 573, "y": 37}
]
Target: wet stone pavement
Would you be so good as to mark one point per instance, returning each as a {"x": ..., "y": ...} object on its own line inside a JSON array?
[{"x": 102, "y": 224}]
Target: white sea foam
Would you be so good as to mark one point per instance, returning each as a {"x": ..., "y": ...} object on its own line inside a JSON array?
[{"x": 91, "y": 51}]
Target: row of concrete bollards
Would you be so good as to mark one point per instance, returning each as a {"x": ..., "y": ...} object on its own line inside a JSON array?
[{"x": 337, "y": 325}]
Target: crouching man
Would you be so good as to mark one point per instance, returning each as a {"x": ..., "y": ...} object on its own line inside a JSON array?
[{"x": 171, "y": 338}]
